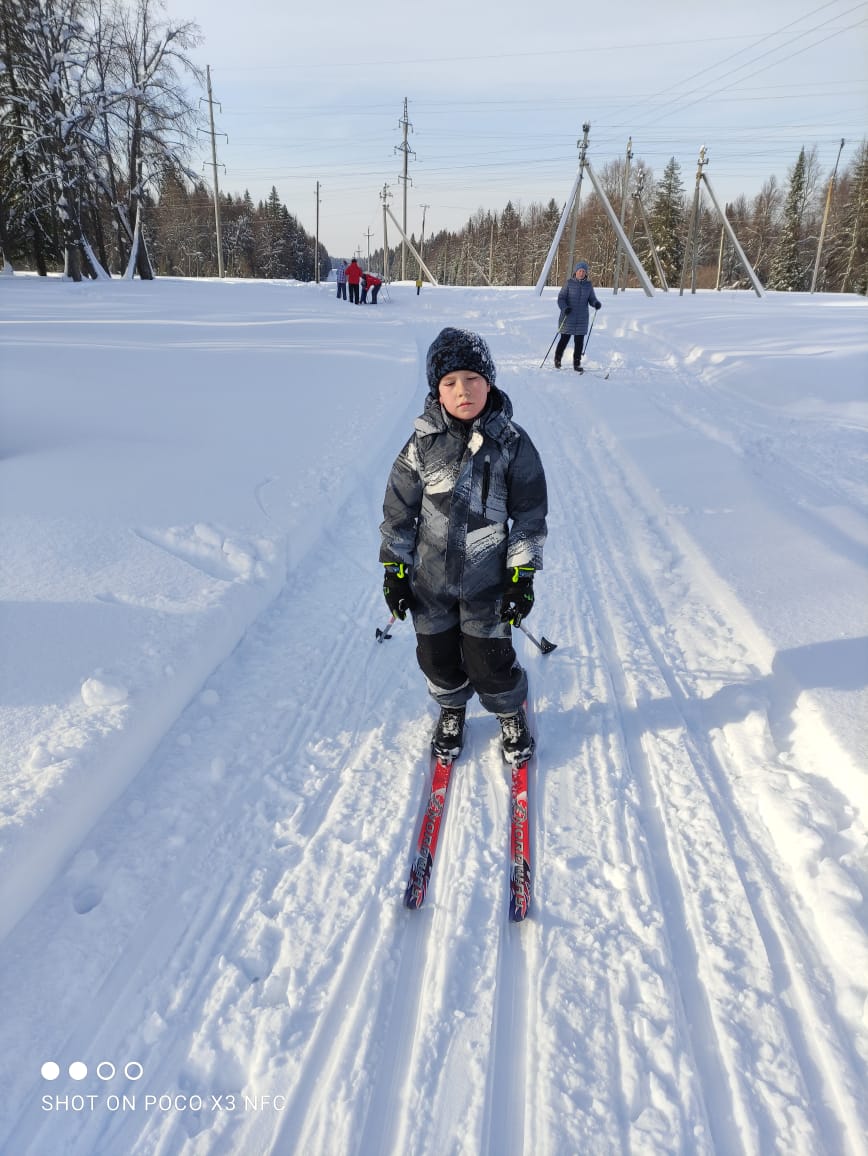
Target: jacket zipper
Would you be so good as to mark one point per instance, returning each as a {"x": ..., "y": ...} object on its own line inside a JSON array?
[{"x": 486, "y": 482}]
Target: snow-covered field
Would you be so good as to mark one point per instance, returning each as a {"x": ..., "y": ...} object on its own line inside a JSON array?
[{"x": 211, "y": 771}]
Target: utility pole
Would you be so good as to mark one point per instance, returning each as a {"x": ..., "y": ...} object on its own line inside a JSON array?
[
  {"x": 214, "y": 165},
  {"x": 316, "y": 241},
  {"x": 424, "y": 208},
  {"x": 369, "y": 234},
  {"x": 573, "y": 200},
  {"x": 637, "y": 197},
  {"x": 693, "y": 230},
  {"x": 624, "y": 189},
  {"x": 826, "y": 217},
  {"x": 406, "y": 150},
  {"x": 384, "y": 196},
  {"x": 583, "y": 152}
]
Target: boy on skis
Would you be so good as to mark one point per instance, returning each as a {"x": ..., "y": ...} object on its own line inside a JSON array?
[{"x": 462, "y": 538}]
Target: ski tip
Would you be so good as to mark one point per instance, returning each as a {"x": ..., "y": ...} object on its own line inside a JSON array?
[
  {"x": 414, "y": 896},
  {"x": 518, "y": 911}
]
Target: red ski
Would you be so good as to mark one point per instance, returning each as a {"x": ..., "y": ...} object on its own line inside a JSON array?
[
  {"x": 519, "y": 846},
  {"x": 426, "y": 845}
]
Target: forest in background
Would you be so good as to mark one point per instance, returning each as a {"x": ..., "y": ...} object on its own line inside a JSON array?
[{"x": 97, "y": 126}]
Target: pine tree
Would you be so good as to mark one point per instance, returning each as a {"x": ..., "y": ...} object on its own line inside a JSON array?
[
  {"x": 790, "y": 267},
  {"x": 854, "y": 230},
  {"x": 668, "y": 215}
]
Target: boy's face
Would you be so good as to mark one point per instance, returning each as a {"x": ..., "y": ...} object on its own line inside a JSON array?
[{"x": 463, "y": 394}]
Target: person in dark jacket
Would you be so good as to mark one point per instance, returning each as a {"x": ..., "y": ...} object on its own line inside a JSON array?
[
  {"x": 573, "y": 301},
  {"x": 354, "y": 276},
  {"x": 462, "y": 538}
]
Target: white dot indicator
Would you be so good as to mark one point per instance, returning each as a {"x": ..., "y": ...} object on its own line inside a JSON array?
[
  {"x": 133, "y": 1070},
  {"x": 50, "y": 1070},
  {"x": 77, "y": 1070}
]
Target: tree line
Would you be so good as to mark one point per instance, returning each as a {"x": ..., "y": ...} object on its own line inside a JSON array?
[
  {"x": 97, "y": 127},
  {"x": 778, "y": 230}
]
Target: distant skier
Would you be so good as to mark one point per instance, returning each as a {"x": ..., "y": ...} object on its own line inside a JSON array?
[
  {"x": 573, "y": 301},
  {"x": 373, "y": 282},
  {"x": 354, "y": 276},
  {"x": 462, "y": 538}
]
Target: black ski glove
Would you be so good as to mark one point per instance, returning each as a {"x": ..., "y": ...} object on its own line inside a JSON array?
[
  {"x": 396, "y": 589},
  {"x": 567, "y": 310},
  {"x": 517, "y": 595},
  {"x": 598, "y": 307}
]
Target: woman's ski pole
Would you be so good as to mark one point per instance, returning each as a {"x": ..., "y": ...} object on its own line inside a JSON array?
[
  {"x": 554, "y": 339},
  {"x": 587, "y": 339}
]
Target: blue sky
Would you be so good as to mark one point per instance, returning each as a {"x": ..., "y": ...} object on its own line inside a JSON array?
[{"x": 498, "y": 93}]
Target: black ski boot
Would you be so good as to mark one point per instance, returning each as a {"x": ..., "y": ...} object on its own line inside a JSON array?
[
  {"x": 515, "y": 734},
  {"x": 557, "y": 363},
  {"x": 449, "y": 734},
  {"x": 577, "y": 366}
]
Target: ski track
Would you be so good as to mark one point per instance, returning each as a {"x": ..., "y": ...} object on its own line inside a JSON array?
[
  {"x": 808, "y": 476},
  {"x": 804, "y": 1058},
  {"x": 236, "y": 917}
]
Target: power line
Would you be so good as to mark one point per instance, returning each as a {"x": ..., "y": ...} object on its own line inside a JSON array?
[{"x": 704, "y": 89}]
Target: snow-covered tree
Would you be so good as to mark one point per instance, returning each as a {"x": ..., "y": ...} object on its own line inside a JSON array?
[
  {"x": 91, "y": 114},
  {"x": 147, "y": 118},
  {"x": 790, "y": 269},
  {"x": 854, "y": 227},
  {"x": 668, "y": 217}
]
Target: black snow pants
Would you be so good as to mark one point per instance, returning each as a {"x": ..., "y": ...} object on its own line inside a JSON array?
[
  {"x": 563, "y": 342},
  {"x": 457, "y": 664}
]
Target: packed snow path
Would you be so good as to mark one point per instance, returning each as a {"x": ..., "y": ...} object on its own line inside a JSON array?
[{"x": 693, "y": 975}]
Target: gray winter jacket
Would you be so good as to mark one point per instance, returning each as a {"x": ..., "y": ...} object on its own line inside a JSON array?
[
  {"x": 576, "y": 295},
  {"x": 465, "y": 502}
]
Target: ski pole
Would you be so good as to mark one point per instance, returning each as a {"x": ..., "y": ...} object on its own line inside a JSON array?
[
  {"x": 554, "y": 339},
  {"x": 384, "y": 632},
  {"x": 542, "y": 644},
  {"x": 590, "y": 331}
]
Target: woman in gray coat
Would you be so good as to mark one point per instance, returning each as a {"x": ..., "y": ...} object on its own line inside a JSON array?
[{"x": 573, "y": 301}]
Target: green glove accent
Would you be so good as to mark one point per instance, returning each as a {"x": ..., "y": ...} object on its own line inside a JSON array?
[
  {"x": 517, "y": 595},
  {"x": 396, "y": 589}
]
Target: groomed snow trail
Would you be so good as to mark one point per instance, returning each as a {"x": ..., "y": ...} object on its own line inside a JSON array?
[{"x": 234, "y": 923}]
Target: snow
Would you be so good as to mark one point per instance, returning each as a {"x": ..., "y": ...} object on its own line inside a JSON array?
[{"x": 212, "y": 771}]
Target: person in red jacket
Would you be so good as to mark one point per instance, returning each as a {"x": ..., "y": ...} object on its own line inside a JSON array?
[
  {"x": 354, "y": 276},
  {"x": 373, "y": 282}
]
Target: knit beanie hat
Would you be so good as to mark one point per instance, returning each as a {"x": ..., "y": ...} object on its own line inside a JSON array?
[
  {"x": 582, "y": 265},
  {"x": 455, "y": 349}
]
